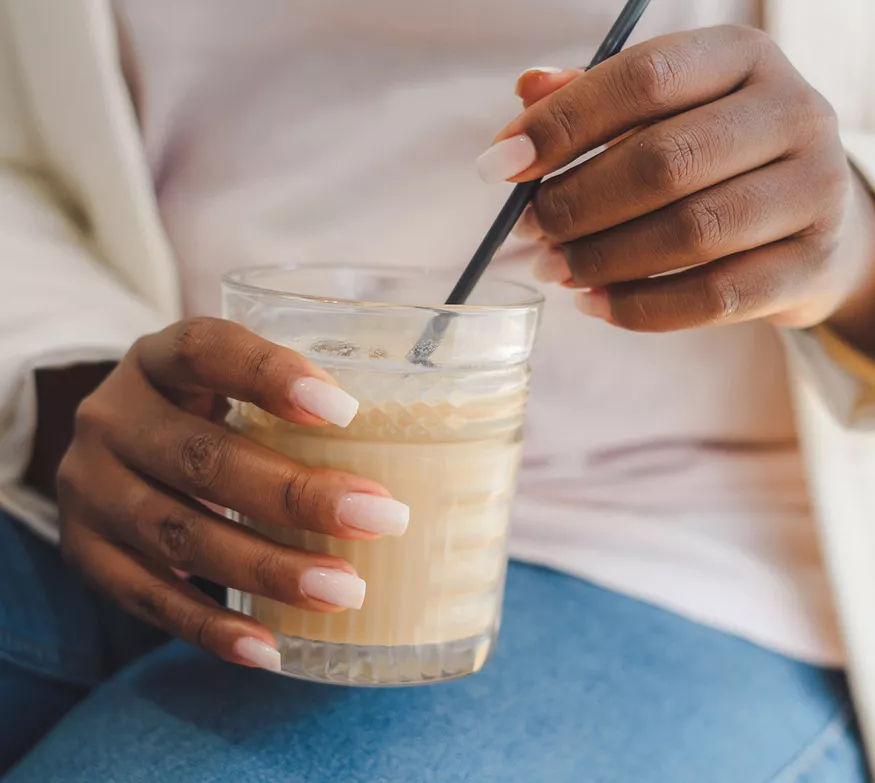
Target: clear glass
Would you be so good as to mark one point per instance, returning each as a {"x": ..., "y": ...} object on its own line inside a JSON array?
[{"x": 443, "y": 436}]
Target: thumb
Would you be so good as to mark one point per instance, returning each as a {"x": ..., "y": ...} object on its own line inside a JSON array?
[{"x": 537, "y": 83}]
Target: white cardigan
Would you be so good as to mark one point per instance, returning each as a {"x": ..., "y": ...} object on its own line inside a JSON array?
[{"x": 88, "y": 269}]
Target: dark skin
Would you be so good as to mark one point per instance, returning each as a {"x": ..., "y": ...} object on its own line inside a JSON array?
[
  {"x": 148, "y": 444},
  {"x": 735, "y": 168},
  {"x": 711, "y": 132}
]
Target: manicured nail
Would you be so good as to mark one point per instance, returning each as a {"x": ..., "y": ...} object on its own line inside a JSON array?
[
  {"x": 527, "y": 226},
  {"x": 258, "y": 653},
  {"x": 552, "y": 266},
  {"x": 536, "y": 70},
  {"x": 374, "y": 514},
  {"x": 506, "y": 159},
  {"x": 540, "y": 69},
  {"x": 328, "y": 402},
  {"x": 594, "y": 303},
  {"x": 334, "y": 587}
]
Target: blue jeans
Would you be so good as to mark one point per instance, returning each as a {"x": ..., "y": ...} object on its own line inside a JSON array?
[{"x": 587, "y": 686}]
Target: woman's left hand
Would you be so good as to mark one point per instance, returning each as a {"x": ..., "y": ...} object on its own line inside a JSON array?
[{"x": 725, "y": 169}]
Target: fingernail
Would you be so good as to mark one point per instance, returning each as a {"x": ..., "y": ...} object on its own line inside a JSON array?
[
  {"x": 334, "y": 587},
  {"x": 506, "y": 159},
  {"x": 258, "y": 653},
  {"x": 540, "y": 69},
  {"x": 594, "y": 303},
  {"x": 374, "y": 514},
  {"x": 328, "y": 402},
  {"x": 527, "y": 226},
  {"x": 552, "y": 267},
  {"x": 535, "y": 70}
]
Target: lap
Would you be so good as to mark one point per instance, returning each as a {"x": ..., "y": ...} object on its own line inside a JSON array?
[
  {"x": 587, "y": 685},
  {"x": 57, "y": 639},
  {"x": 29, "y": 705},
  {"x": 51, "y": 623}
]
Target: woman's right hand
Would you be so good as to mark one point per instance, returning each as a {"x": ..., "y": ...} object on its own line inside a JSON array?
[{"x": 150, "y": 445}]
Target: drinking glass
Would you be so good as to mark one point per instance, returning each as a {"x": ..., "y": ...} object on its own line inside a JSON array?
[{"x": 442, "y": 434}]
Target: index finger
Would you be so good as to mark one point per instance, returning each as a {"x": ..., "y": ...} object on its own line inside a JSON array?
[
  {"x": 643, "y": 84},
  {"x": 223, "y": 357}
]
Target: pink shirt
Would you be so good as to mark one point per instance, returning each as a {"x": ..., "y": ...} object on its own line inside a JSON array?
[{"x": 662, "y": 466}]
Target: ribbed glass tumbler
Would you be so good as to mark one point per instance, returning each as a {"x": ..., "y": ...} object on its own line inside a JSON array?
[{"x": 443, "y": 436}]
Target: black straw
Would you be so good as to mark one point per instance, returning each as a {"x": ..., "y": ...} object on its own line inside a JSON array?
[{"x": 521, "y": 195}]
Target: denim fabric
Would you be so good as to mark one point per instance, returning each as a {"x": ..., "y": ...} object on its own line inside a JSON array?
[
  {"x": 51, "y": 624},
  {"x": 57, "y": 639},
  {"x": 29, "y": 706},
  {"x": 586, "y": 686},
  {"x": 48, "y": 620}
]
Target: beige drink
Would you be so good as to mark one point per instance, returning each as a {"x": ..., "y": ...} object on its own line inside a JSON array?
[{"x": 447, "y": 442}]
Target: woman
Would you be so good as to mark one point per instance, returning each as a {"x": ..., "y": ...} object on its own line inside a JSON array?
[{"x": 685, "y": 628}]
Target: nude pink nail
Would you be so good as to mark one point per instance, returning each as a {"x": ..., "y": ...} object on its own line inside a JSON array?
[
  {"x": 258, "y": 653},
  {"x": 527, "y": 226},
  {"x": 536, "y": 70},
  {"x": 552, "y": 267},
  {"x": 373, "y": 514},
  {"x": 334, "y": 587},
  {"x": 325, "y": 401},
  {"x": 595, "y": 303},
  {"x": 506, "y": 159}
]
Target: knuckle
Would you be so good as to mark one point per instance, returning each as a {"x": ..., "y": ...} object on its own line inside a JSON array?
[
  {"x": 193, "y": 338},
  {"x": 723, "y": 296},
  {"x": 203, "y": 458},
  {"x": 815, "y": 118},
  {"x": 190, "y": 623},
  {"x": 818, "y": 108},
  {"x": 266, "y": 569},
  {"x": 562, "y": 128},
  {"x": 755, "y": 36},
  {"x": 555, "y": 212},
  {"x": 258, "y": 364},
  {"x": 636, "y": 314},
  {"x": 588, "y": 262},
  {"x": 759, "y": 41},
  {"x": 299, "y": 498},
  {"x": 669, "y": 161},
  {"x": 93, "y": 414},
  {"x": 816, "y": 250},
  {"x": 754, "y": 44},
  {"x": 150, "y": 603},
  {"x": 827, "y": 242},
  {"x": 142, "y": 344},
  {"x": 203, "y": 623},
  {"x": 703, "y": 223},
  {"x": 179, "y": 538},
  {"x": 835, "y": 187},
  {"x": 652, "y": 78},
  {"x": 138, "y": 500}
]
